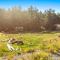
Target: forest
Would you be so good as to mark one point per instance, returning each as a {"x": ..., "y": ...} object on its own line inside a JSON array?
[{"x": 15, "y": 20}]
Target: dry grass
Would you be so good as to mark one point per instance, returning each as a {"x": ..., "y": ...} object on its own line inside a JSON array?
[{"x": 46, "y": 42}]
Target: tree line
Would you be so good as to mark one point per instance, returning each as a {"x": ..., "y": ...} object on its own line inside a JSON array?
[{"x": 15, "y": 20}]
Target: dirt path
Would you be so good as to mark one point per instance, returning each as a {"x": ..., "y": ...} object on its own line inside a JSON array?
[{"x": 28, "y": 56}]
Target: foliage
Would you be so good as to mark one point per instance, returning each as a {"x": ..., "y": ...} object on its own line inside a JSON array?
[{"x": 16, "y": 20}]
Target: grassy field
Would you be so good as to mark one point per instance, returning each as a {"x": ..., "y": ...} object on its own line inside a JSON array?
[{"x": 39, "y": 45}]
